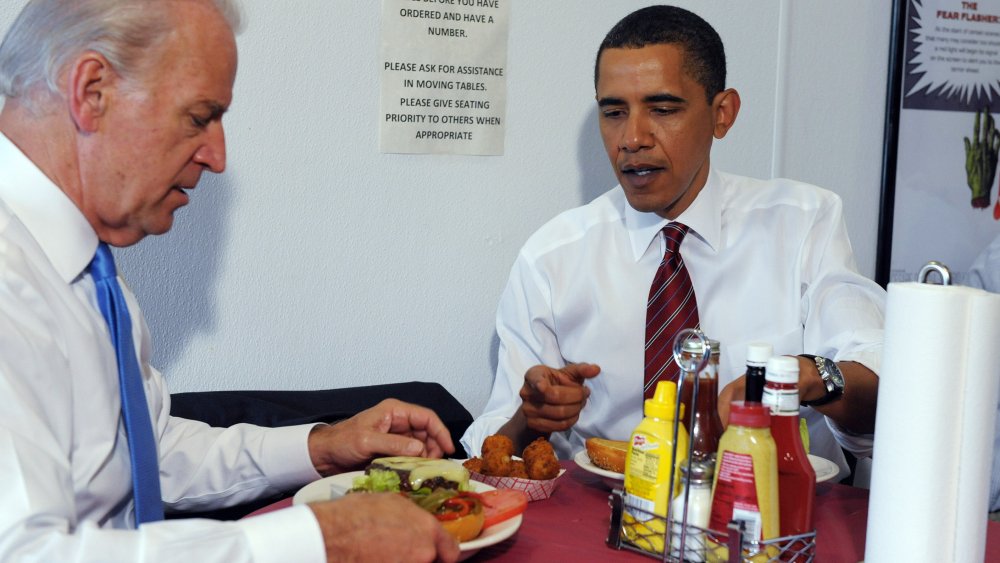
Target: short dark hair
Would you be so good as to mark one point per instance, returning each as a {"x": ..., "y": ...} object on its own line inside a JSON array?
[{"x": 704, "y": 55}]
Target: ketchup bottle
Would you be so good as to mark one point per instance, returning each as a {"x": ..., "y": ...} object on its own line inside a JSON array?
[
  {"x": 796, "y": 476},
  {"x": 702, "y": 421}
]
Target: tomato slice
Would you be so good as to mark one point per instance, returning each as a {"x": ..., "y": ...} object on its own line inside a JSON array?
[{"x": 502, "y": 504}]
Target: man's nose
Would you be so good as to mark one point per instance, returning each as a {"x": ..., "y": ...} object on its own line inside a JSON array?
[
  {"x": 636, "y": 134},
  {"x": 212, "y": 154}
]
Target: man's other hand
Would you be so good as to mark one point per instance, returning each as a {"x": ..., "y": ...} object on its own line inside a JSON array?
[
  {"x": 382, "y": 527},
  {"x": 390, "y": 428}
]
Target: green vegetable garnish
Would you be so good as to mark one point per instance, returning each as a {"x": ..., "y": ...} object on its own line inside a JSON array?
[{"x": 377, "y": 481}]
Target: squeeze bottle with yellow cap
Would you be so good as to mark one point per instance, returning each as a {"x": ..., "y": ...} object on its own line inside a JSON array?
[{"x": 647, "y": 469}]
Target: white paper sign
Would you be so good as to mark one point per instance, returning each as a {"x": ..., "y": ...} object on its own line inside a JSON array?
[{"x": 444, "y": 76}]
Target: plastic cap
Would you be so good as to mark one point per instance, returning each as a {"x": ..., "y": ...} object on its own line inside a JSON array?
[
  {"x": 701, "y": 471},
  {"x": 751, "y": 415},
  {"x": 759, "y": 352},
  {"x": 663, "y": 402},
  {"x": 782, "y": 369}
]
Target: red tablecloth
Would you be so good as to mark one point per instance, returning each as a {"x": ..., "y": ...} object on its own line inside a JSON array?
[{"x": 572, "y": 525}]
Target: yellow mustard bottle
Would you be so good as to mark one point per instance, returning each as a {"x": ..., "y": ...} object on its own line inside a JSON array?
[
  {"x": 647, "y": 469},
  {"x": 745, "y": 487}
]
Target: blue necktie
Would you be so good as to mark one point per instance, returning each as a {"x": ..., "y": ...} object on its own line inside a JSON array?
[{"x": 138, "y": 427}]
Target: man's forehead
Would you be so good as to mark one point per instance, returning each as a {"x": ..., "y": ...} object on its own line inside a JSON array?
[{"x": 641, "y": 67}]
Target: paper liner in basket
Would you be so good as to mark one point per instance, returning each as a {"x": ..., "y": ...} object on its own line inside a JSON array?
[{"x": 535, "y": 489}]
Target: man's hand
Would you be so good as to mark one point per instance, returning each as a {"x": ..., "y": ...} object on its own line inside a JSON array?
[
  {"x": 553, "y": 398},
  {"x": 981, "y": 159},
  {"x": 735, "y": 391},
  {"x": 390, "y": 428},
  {"x": 551, "y": 401},
  {"x": 381, "y": 527}
]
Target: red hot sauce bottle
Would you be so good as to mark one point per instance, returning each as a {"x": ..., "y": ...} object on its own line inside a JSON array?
[{"x": 796, "y": 476}]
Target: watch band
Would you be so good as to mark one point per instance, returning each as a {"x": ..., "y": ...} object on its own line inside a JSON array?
[{"x": 833, "y": 380}]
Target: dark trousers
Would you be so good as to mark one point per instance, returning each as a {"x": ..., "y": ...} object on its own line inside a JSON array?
[{"x": 288, "y": 408}]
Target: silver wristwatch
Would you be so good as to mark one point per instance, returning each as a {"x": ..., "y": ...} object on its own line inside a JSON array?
[{"x": 833, "y": 380}]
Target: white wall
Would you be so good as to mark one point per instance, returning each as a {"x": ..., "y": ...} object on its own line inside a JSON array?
[{"x": 317, "y": 262}]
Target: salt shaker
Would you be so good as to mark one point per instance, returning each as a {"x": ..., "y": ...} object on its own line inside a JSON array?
[{"x": 697, "y": 485}]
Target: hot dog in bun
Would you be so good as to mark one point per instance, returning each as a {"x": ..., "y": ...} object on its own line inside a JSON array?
[{"x": 608, "y": 454}]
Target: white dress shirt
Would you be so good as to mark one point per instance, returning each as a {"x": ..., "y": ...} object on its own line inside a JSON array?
[
  {"x": 67, "y": 491},
  {"x": 769, "y": 260},
  {"x": 985, "y": 270},
  {"x": 985, "y": 274}
]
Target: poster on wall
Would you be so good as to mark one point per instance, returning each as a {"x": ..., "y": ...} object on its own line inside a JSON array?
[
  {"x": 940, "y": 193},
  {"x": 444, "y": 76}
]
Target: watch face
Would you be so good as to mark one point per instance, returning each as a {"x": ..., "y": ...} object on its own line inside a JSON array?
[
  {"x": 836, "y": 378},
  {"x": 835, "y": 372}
]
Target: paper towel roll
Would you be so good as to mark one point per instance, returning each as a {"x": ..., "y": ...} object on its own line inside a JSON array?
[{"x": 937, "y": 400}]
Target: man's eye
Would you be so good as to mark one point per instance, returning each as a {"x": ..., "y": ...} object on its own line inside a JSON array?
[
  {"x": 664, "y": 111},
  {"x": 613, "y": 113},
  {"x": 200, "y": 122}
]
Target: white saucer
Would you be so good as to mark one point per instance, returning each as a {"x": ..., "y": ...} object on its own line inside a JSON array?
[
  {"x": 824, "y": 468},
  {"x": 611, "y": 479}
]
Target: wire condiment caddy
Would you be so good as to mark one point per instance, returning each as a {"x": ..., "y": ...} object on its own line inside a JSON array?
[{"x": 671, "y": 538}]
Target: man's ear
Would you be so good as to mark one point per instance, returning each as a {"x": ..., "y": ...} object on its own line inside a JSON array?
[
  {"x": 89, "y": 82},
  {"x": 726, "y": 107}
]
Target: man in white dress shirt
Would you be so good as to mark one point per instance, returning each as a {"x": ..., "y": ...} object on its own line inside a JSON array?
[
  {"x": 768, "y": 260},
  {"x": 985, "y": 274},
  {"x": 113, "y": 109}
]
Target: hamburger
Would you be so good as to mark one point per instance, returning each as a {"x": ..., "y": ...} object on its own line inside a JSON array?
[
  {"x": 439, "y": 486},
  {"x": 407, "y": 474}
]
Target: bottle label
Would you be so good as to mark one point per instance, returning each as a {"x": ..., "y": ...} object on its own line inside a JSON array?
[
  {"x": 645, "y": 507},
  {"x": 782, "y": 402},
  {"x": 735, "y": 495},
  {"x": 642, "y": 471}
]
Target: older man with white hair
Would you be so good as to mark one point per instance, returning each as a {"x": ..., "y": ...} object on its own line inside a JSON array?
[{"x": 113, "y": 109}]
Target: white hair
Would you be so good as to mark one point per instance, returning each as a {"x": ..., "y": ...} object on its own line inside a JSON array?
[{"x": 48, "y": 34}]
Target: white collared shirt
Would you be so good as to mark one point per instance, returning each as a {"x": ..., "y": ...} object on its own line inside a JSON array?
[
  {"x": 67, "y": 491},
  {"x": 769, "y": 260},
  {"x": 985, "y": 274}
]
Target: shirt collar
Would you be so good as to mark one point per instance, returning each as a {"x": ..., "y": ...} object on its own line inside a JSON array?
[
  {"x": 55, "y": 222},
  {"x": 703, "y": 217}
]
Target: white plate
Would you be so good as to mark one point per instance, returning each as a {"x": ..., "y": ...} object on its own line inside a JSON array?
[
  {"x": 824, "y": 468},
  {"x": 330, "y": 488},
  {"x": 611, "y": 478}
]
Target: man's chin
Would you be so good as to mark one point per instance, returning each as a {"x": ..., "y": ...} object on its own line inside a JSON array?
[
  {"x": 644, "y": 203},
  {"x": 161, "y": 225}
]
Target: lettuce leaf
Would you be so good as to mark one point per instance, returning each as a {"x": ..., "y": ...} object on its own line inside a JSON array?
[{"x": 377, "y": 481}]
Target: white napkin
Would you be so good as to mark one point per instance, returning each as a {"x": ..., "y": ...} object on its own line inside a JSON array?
[{"x": 937, "y": 401}]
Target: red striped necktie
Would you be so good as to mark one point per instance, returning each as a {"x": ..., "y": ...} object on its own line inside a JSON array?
[{"x": 671, "y": 308}]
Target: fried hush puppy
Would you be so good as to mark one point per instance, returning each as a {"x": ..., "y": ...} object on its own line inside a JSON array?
[
  {"x": 498, "y": 443},
  {"x": 540, "y": 460},
  {"x": 496, "y": 464},
  {"x": 518, "y": 470},
  {"x": 497, "y": 452},
  {"x": 473, "y": 464}
]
